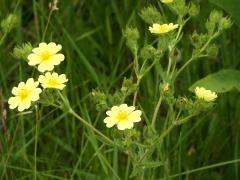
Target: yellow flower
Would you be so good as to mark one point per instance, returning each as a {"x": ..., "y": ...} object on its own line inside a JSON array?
[
  {"x": 46, "y": 56},
  {"x": 206, "y": 95},
  {"x": 167, "y": 1},
  {"x": 164, "y": 28},
  {"x": 24, "y": 94},
  {"x": 123, "y": 116},
  {"x": 53, "y": 80}
]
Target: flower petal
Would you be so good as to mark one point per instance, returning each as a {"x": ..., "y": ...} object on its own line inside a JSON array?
[
  {"x": 110, "y": 122},
  {"x": 122, "y": 125},
  {"x": 53, "y": 48},
  {"x": 135, "y": 116}
]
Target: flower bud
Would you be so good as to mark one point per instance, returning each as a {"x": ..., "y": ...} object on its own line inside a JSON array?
[
  {"x": 194, "y": 9},
  {"x": 151, "y": 15},
  {"x": 212, "y": 50},
  {"x": 9, "y": 23},
  {"x": 22, "y": 51},
  {"x": 132, "y": 36},
  {"x": 225, "y": 23}
]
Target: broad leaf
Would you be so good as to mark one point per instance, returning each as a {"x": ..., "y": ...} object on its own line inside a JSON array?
[{"x": 220, "y": 82}]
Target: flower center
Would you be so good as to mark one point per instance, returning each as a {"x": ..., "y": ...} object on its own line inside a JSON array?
[
  {"x": 24, "y": 94},
  {"x": 164, "y": 28},
  {"x": 122, "y": 116},
  {"x": 53, "y": 82},
  {"x": 45, "y": 55}
]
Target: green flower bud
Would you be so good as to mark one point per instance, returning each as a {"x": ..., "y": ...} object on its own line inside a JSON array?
[
  {"x": 180, "y": 8},
  {"x": 215, "y": 16},
  {"x": 212, "y": 50},
  {"x": 132, "y": 36},
  {"x": 194, "y": 9},
  {"x": 148, "y": 52},
  {"x": 151, "y": 15},
  {"x": 210, "y": 26},
  {"x": 128, "y": 86},
  {"x": 9, "y": 23},
  {"x": 225, "y": 23},
  {"x": 22, "y": 51},
  {"x": 100, "y": 99}
]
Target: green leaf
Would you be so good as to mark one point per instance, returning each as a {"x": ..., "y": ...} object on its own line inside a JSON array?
[
  {"x": 152, "y": 164},
  {"x": 220, "y": 82},
  {"x": 230, "y": 6}
]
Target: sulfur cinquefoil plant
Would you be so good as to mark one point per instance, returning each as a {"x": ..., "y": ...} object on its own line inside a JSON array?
[
  {"x": 147, "y": 142},
  {"x": 141, "y": 129}
]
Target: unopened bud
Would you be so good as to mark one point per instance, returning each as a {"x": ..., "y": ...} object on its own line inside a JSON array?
[
  {"x": 9, "y": 23},
  {"x": 194, "y": 9},
  {"x": 225, "y": 23}
]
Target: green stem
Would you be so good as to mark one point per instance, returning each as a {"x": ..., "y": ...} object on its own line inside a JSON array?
[
  {"x": 163, "y": 135},
  {"x": 48, "y": 21},
  {"x": 158, "y": 140},
  {"x": 3, "y": 38},
  {"x": 36, "y": 142},
  {"x": 198, "y": 55},
  {"x": 184, "y": 66},
  {"x": 156, "y": 111},
  {"x": 184, "y": 120},
  {"x": 71, "y": 111},
  {"x": 169, "y": 63},
  {"x": 139, "y": 78},
  {"x": 91, "y": 127},
  {"x": 127, "y": 168},
  {"x": 135, "y": 94}
]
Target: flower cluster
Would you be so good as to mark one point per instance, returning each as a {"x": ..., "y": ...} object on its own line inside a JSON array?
[
  {"x": 125, "y": 116},
  {"x": 45, "y": 57}
]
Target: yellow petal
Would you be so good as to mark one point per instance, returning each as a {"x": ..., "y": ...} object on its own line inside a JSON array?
[
  {"x": 34, "y": 59},
  {"x": 122, "y": 125},
  {"x": 110, "y": 122},
  {"x": 135, "y": 116},
  {"x": 53, "y": 48}
]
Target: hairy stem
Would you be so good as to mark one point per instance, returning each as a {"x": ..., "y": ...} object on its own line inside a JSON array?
[{"x": 156, "y": 111}]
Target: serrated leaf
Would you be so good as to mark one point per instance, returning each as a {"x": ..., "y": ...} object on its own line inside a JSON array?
[
  {"x": 231, "y": 6},
  {"x": 220, "y": 82}
]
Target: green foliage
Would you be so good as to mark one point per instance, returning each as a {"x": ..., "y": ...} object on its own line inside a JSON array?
[
  {"x": 187, "y": 139},
  {"x": 231, "y": 6},
  {"x": 222, "y": 81}
]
